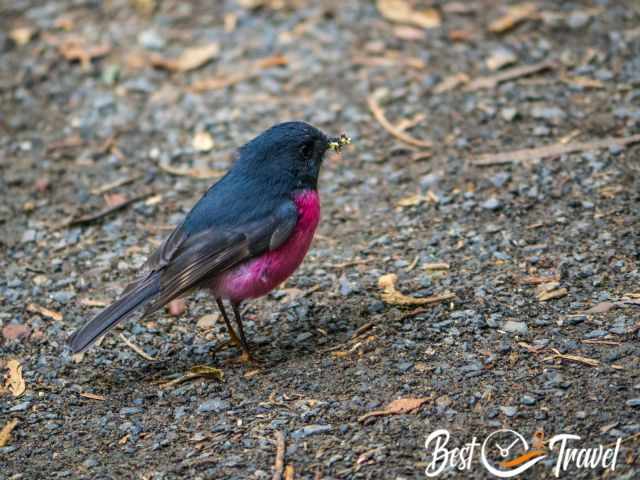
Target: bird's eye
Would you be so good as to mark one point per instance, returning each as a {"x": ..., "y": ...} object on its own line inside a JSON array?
[{"x": 306, "y": 150}]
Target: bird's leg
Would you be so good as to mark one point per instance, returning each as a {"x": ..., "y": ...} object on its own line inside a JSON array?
[
  {"x": 232, "y": 332},
  {"x": 245, "y": 346}
]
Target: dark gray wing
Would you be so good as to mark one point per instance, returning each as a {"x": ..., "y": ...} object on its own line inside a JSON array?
[
  {"x": 214, "y": 250},
  {"x": 183, "y": 262}
]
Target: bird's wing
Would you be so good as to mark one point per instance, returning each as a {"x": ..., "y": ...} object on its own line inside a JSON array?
[
  {"x": 214, "y": 250},
  {"x": 184, "y": 262}
]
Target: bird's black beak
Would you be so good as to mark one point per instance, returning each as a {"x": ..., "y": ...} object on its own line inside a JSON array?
[{"x": 336, "y": 143}]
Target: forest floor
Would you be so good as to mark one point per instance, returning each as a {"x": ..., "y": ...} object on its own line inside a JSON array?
[{"x": 116, "y": 116}]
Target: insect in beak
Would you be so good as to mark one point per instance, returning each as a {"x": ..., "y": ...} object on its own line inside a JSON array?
[{"x": 337, "y": 143}]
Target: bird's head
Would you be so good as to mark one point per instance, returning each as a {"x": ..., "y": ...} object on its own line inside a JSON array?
[{"x": 291, "y": 150}]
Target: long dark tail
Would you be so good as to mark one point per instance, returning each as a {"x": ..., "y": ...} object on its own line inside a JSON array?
[{"x": 133, "y": 298}]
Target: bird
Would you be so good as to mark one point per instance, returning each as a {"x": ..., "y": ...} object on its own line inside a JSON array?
[{"x": 246, "y": 235}]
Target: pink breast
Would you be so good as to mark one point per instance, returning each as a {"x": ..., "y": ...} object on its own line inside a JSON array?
[{"x": 259, "y": 276}]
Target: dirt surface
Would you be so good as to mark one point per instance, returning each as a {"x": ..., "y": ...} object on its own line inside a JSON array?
[{"x": 97, "y": 108}]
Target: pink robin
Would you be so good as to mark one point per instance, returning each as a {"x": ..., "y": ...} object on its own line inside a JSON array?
[{"x": 246, "y": 235}]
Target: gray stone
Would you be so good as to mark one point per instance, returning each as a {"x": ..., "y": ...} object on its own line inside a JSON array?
[
  {"x": 515, "y": 327},
  {"x": 310, "y": 430},
  {"x": 216, "y": 405}
]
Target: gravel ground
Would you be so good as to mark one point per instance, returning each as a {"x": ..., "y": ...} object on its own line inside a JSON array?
[{"x": 97, "y": 108}]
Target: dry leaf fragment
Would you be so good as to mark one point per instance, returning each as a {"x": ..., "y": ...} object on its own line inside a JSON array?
[
  {"x": 500, "y": 58},
  {"x": 13, "y": 380},
  {"x": 114, "y": 200},
  {"x": 15, "y": 331},
  {"x": 75, "y": 49},
  {"x": 401, "y": 405},
  {"x": 202, "y": 141},
  {"x": 5, "y": 433},
  {"x": 537, "y": 442},
  {"x": 451, "y": 82},
  {"x": 92, "y": 396},
  {"x": 394, "y": 297},
  {"x": 413, "y": 200},
  {"x": 45, "y": 312},
  {"x": 436, "y": 266},
  {"x": 537, "y": 279},
  {"x": 400, "y": 11},
  {"x": 405, "y": 32},
  {"x": 552, "y": 294},
  {"x": 197, "y": 371},
  {"x": 573, "y": 358},
  {"x": 515, "y": 15},
  {"x": 190, "y": 59},
  {"x": 145, "y": 7},
  {"x": 21, "y": 35}
]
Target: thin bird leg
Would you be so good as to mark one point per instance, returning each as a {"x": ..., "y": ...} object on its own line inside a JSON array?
[
  {"x": 232, "y": 332},
  {"x": 245, "y": 346},
  {"x": 238, "y": 315}
]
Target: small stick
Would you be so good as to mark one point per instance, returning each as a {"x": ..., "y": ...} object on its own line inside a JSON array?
[
  {"x": 136, "y": 348},
  {"x": 510, "y": 74},
  {"x": 110, "y": 186},
  {"x": 103, "y": 213},
  {"x": 280, "y": 448},
  {"x": 554, "y": 150},
  {"x": 378, "y": 114}
]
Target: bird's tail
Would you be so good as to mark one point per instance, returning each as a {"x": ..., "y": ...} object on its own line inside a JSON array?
[{"x": 132, "y": 299}]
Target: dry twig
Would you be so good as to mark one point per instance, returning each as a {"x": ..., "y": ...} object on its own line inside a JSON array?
[
  {"x": 554, "y": 150},
  {"x": 378, "y": 114},
  {"x": 280, "y": 449},
  {"x": 137, "y": 349}
]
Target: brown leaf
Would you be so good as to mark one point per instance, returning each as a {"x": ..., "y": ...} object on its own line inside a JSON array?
[
  {"x": 401, "y": 405},
  {"x": 552, "y": 294},
  {"x": 15, "y": 331},
  {"x": 400, "y": 11},
  {"x": 515, "y": 15},
  {"x": 537, "y": 443},
  {"x": 13, "y": 380},
  {"x": 5, "y": 433},
  {"x": 45, "y": 312},
  {"x": 75, "y": 49},
  {"x": 394, "y": 297},
  {"x": 190, "y": 59}
]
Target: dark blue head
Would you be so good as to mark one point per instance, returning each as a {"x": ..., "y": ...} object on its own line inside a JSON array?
[{"x": 288, "y": 153}]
